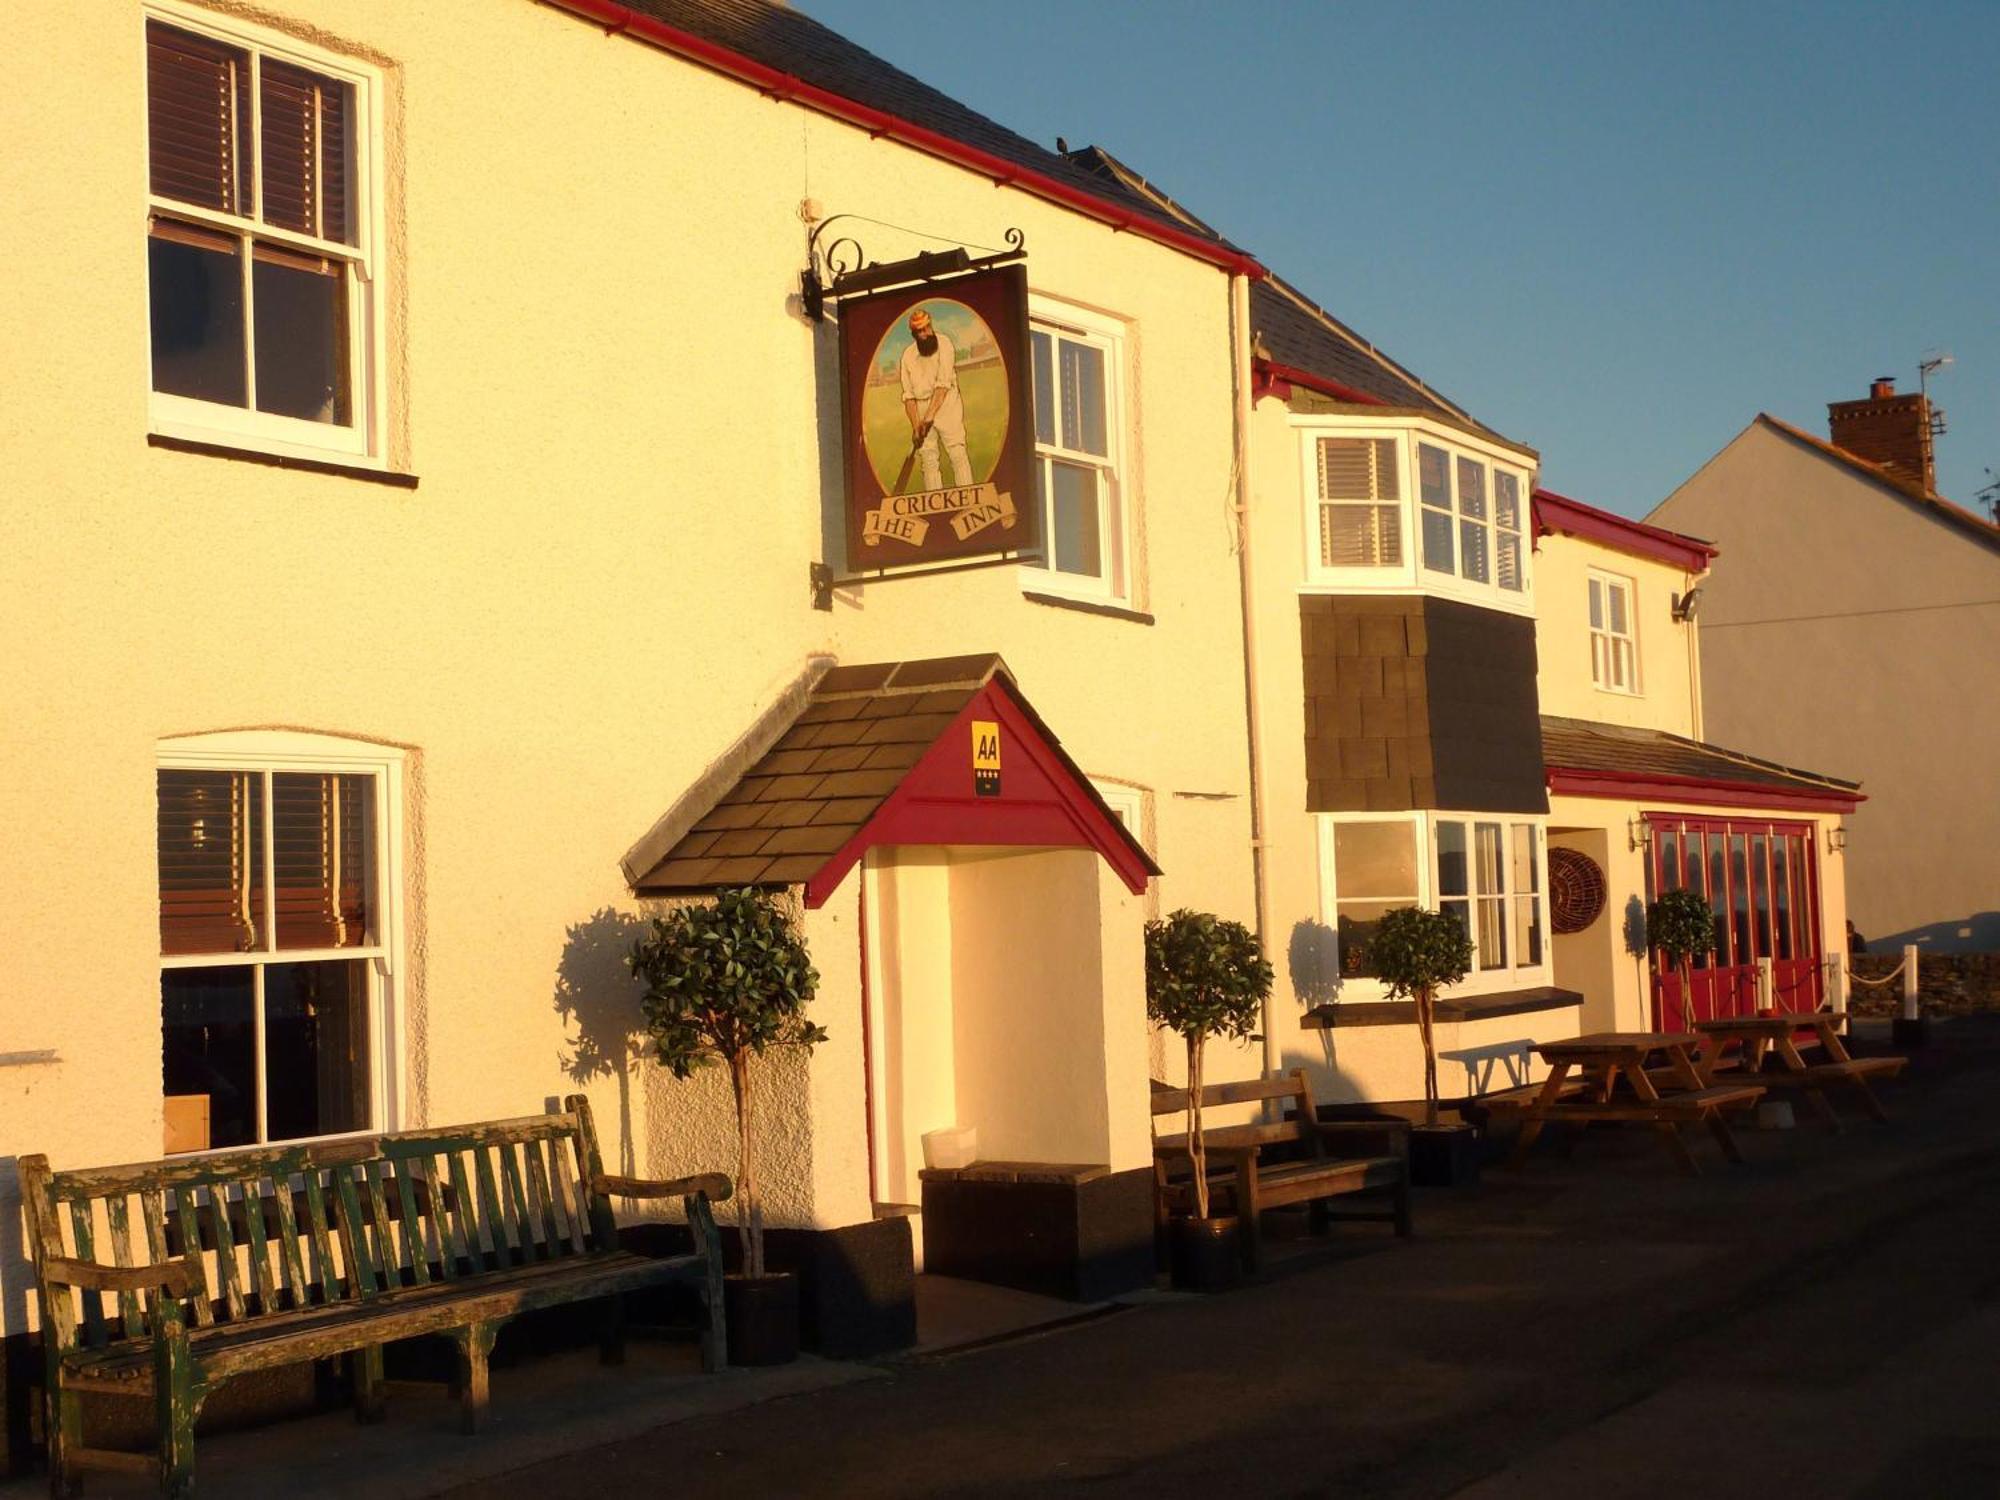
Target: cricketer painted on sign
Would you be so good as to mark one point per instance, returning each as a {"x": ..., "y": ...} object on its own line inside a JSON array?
[{"x": 929, "y": 373}]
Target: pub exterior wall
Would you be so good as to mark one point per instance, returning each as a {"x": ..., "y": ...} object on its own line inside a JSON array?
[{"x": 626, "y": 444}]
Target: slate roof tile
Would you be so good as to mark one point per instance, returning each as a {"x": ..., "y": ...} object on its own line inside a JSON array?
[{"x": 1587, "y": 745}]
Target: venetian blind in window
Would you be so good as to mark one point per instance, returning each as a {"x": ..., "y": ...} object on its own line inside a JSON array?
[
  {"x": 198, "y": 115},
  {"x": 211, "y": 856},
  {"x": 321, "y": 839},
  {"x": 303, "y": 151},
  {"x": 1360, "y": 514}
]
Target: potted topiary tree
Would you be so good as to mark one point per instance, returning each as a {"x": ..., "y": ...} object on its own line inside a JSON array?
[
  {"x": 726, "y": 981},
  {"x": 1680, "y": 925},
  {"x": 1204, "y": 977},
  {"x": 1416, "y": 953}
]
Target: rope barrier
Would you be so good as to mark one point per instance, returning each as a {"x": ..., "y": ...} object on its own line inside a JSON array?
[{"x": 1887, "y": 979}]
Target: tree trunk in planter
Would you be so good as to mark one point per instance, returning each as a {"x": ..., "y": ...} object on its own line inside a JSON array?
[
  {"x": 749, "y": 1217},
  {"x": 1197, "y": 1150},
  {"x": 1426, "y": 1018}
]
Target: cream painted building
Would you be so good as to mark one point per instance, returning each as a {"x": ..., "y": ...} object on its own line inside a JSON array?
[
  {"x": 1857, "y": 626},
  {"x": 411, "y": 507}
]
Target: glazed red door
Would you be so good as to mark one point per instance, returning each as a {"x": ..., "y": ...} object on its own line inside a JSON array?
[{"x": 1762, "y": 886}]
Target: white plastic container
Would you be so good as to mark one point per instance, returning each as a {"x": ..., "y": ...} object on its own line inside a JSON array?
[{"x": 955, "y": 1146}]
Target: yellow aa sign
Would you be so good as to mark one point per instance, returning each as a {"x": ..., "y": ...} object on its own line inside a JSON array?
[{"x": 985, "y": 757}]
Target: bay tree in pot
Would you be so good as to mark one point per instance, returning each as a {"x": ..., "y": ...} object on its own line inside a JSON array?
[
  {"x": 1416, "y": 953},
  {"x": 1205, "y": 977},
  {"x": 1680, "y": 926},
  {"x": 727, "y": 981}
]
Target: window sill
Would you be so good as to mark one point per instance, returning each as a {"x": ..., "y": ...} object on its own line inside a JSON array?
[
  {"x": 283, "y": 460},
  {"x": 1088, "y": 607},
  {"x": 1466, "y": 1008},
  {"x": 1617, "y": 692}
]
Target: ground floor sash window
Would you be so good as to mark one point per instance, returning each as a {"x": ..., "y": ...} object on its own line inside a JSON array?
[{"x": 275, "y": 942}]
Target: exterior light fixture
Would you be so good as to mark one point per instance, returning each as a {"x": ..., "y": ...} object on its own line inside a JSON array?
[
  {"x": 1836, "y": 838},
  {"x": 1641, "y": 833},
  {"x": 1685, "y": 605}
]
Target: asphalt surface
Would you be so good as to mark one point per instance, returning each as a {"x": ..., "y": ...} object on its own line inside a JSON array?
[{"x": 1822, "y": 1320}]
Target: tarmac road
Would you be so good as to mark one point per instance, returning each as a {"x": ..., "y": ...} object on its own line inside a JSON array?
[{"x": 1823, "y": 1320}]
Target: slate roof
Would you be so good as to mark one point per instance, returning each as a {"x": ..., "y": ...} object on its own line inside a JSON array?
[
  {"x": 784, "y": 38},
  {"x": 1946, "y": 510},
  {"x": 1289, "y": 327},
  {"x": 858, "y": 734},
  {"x": 1587, "y": 745}
]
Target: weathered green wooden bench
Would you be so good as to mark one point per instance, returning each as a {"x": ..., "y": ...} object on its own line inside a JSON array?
[{"x": 242, "y": 1260}]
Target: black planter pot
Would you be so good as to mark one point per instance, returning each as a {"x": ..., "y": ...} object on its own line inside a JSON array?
[
  {"x": 1444, "y": 1155},
  {"x": 1204, "y": 1255},
  {"x": 1910, "y": 1031},
  {"x": 763, "y": 1317}
]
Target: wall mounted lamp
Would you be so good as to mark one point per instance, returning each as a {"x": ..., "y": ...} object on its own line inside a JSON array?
[
  {"x": 1685, "y": 606},
  {"x": 1641, "y": 833},
  {"x": 1836, "y": 838}
]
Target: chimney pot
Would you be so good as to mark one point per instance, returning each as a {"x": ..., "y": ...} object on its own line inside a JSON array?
[{"x": 1883, "y": 388}]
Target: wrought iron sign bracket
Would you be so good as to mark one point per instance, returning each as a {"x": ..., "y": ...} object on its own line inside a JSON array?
[{"x": 839, "y": 267}]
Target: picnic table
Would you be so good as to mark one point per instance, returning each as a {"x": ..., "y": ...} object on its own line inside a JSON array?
[
  {"x": 1766, "y": 1051},
  {"x": 1603, "y": 1061}
]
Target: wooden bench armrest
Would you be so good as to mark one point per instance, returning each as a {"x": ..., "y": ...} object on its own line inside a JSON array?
[
  {"x": 175, "y": 1277},
  {"x": 715, "y": 1184}
]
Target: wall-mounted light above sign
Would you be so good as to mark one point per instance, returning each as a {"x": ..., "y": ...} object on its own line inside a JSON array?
[{"x": 938, "y": 415}]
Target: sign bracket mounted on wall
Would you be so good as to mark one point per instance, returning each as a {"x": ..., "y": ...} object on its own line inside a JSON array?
[{"x": 839, "y": 267}]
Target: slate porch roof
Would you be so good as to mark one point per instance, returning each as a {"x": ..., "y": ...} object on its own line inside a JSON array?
[
  {"x": 1587, "y": 745},
  {"x": 852, "y": 740}
]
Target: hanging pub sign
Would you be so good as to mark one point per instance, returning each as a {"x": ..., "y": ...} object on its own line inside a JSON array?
[{"x": 939, "y": 421}]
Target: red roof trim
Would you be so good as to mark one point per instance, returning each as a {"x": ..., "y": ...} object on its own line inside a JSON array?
[
  {"x": 1272, "y": 378},
  {"x": 1559, "y": 513},
  {"x": 1701, "y": 790},
  {"x": 617, "y": 18}
]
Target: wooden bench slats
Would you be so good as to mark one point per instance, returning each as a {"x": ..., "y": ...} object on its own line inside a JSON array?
[
  {"x": 204, "y": 1296},
  {"x": 489, "y": 1207},
  {"x": 538, "y": 1198},
  {"x": 410, "y": 1246},
  {"x": 118, "y": 1223},
  {"x": 291, "y": 1266},
  {"x": 382, "y": 1237},
  {"x": 257, "y": 1245},
  {"x": 463, "y": 1220},
  {"x": 570, "y": 1194},
  {"x": 152, "y": 1212},
  {"x": 227, "y": 1272},
  {"x": 522, "y": 1228},
  {"x": 319, "y": 1238},
  {"x": 93, "y": 1302},
  {"x": 354, "y": 1251}
]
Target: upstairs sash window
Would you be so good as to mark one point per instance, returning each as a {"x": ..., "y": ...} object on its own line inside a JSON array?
[
  {"x": 1614, "y": 653},
  {"x": 1360, "y": 503},
  {"x": 258, "y": 265},
  {"x": 1077, "y": 459}
]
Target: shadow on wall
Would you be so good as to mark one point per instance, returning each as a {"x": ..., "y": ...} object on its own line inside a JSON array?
[
  {"x": 1312, "y": 958},
  {"x": 1979, "y": 933},
  {"x": 598, "y": 1000}
]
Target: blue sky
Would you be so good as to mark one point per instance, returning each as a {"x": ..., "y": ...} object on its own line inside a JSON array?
[{"x": 1613, "y": 231}]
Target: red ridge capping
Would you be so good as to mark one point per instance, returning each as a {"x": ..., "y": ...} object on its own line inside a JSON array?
[
  {"x": 1700, "y": 790},
  {"x": 1044, "y": 802},
  {"x": 1559, "y": 513},
  {"x": 617, "y": 18}
]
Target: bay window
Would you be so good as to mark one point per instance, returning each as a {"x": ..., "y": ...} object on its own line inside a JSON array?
[
  {"x": 261, "y": 243},
  {"x": 276, "y": 923},
  {"x": 1457, "y": 525},
  {"x": 1487, "y": 872}
]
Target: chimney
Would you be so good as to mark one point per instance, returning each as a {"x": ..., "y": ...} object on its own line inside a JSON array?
[{"x": 1886, "y": 429}]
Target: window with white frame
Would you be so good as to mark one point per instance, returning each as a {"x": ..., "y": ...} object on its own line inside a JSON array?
[
  {"x": 277, "y": 917},
  {"x": 1472, "y": 516},
  {"x": 1614, "y": 652},
  {"x": 1489, "y": 876},
  {"x": 1128, "y": 803},
  {"x": 1488, "y": 872},
  {"x": 1360, "y": 503},
  {"x": 1078, "y": 366},
  {"x": 263, "y": 241}
]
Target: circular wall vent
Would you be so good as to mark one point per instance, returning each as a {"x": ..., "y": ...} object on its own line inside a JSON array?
[{"x": 1576, "y": 890}]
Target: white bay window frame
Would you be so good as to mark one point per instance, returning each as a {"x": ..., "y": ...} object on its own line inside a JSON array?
[
  {"x": 361, "y": 442},
  {"x": 1410, "y": 575},
  {"x": 263, "y": 753},
  {"x": 1424, "y": 833}
]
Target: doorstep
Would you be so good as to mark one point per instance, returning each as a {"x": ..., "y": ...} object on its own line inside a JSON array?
[{"x": 544, "y": 1406}]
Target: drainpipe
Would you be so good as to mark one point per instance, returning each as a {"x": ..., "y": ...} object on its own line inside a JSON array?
[
  {"x": 1694, "y": 665},
  {"x": 1239, "y": 364}
]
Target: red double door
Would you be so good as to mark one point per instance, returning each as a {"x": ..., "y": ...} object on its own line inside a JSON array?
[{"x": 1761, "y": 880}]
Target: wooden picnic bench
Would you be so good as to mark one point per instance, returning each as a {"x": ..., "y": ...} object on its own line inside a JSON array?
[
  {"x": 1244, "y": 1183},
  {"x": 1769, "y": 1055},
  {"x": 245, "y": 1259},
  {"x": 1604, "y": 1060}
]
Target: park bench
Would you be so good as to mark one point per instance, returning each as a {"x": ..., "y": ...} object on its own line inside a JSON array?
[
  {"x": 246, "y": 1259},
  {"x": 1244, "y": 1183}
]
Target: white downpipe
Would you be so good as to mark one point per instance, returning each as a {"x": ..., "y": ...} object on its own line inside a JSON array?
[{"x": 1239, "y": 363}]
